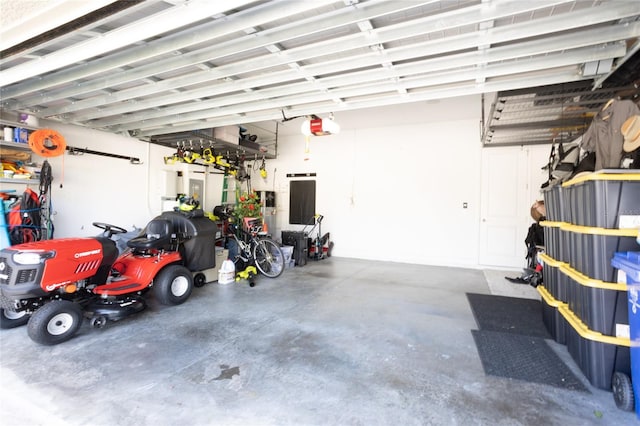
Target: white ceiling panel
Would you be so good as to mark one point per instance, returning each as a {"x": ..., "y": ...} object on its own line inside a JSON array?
[{"x": 158, "y": 67}]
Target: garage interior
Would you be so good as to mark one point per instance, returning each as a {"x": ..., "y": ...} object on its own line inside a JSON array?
[{"x": 436, "y": 121}]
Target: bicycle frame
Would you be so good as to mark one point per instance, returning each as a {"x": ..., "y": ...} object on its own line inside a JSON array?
[
  {"x": 244, "y": 247},
  {"x": 256, "y": 252}
]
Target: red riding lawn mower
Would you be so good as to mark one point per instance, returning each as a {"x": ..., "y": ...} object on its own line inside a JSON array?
[{"x": 52, "y": 285}]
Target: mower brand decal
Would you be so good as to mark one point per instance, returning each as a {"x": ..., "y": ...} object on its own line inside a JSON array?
[
  {"x": 52, "y": 287},
  {"x": 87, "y": 253}
]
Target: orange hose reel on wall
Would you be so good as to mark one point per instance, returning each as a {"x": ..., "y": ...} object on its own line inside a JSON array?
[{"x": 47, "y": 143}]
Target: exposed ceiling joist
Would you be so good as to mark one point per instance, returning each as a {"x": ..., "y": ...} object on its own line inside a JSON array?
[
  {"x": 416, "y": 79},
  {"x": 433, "y": 65}
]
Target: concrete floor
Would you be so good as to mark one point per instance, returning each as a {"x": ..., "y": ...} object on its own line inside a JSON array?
[{"x": 336, "y": 342}]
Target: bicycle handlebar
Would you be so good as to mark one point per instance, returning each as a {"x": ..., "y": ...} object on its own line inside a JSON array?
[{"x": 232, "y": 227}]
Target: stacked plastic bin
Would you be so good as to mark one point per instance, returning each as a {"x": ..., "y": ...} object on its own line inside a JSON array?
[
  {"x": 554, "y": 290},
  {"x": 590, "y": 218}
]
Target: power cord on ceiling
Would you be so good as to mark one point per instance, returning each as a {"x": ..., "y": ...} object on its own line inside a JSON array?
[{"x": 285, "y": 118}]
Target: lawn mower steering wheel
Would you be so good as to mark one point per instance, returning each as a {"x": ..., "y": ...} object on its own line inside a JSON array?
[{"x": 109, "y": 230}]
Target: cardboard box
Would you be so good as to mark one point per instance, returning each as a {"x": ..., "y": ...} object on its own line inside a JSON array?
[
  {"x": 221, "y": 256},
  {"x": 212, "y": 274},
  {"x": 20, "y": 135}
]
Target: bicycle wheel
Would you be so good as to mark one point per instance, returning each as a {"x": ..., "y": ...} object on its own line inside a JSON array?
[{"x": 269, "y": 258}]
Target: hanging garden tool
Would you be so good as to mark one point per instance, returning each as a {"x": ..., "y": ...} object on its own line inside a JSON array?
[
  {"x": 177, "y": 156},
  {"x": 208, "y": 156},
  {"x": 191, "y": 155},
  {"x": 263, "y": 169}
]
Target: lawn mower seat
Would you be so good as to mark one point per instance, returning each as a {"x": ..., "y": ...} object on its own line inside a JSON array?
[{"x": 157, "y": 236}]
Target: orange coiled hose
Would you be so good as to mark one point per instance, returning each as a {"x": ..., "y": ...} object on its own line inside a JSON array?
[{"x": 47, "y": 143}]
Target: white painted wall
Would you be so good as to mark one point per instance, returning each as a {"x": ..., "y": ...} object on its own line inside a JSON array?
[
  {"x": 391, "y": 185},
  {"x": 89, "y": 188}
]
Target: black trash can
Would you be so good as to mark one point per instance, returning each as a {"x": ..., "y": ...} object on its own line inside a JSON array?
[{"x": 300, "y": 242}]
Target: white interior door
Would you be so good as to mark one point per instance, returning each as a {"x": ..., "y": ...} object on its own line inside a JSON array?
[{"x": 504, "y": 204}]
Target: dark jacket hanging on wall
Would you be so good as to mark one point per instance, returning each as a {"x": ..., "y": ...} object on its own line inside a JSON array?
[{"x": 604, "y": 136}]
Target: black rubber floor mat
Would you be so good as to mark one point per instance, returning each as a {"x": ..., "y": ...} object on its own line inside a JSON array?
[
  {"x": 523, "y": 358},
  {"x": 508, "y": 314}
]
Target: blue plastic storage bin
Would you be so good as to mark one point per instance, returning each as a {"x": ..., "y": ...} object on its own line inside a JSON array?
[{"x": 628, "y": 265}]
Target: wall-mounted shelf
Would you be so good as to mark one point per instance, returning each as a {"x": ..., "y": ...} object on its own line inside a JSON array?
[
  {"x": 20, "y": 147},
  {"x": 15, "y": 145},
  {"x": 15, "y": 125},
  {"x": 45, "y": 208},
  {"x": 9, "y": 123},
  {"x": 20, "y": 181}
]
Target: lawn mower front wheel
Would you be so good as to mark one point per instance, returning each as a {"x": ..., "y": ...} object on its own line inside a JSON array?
[{"x": 55, "y": 322}]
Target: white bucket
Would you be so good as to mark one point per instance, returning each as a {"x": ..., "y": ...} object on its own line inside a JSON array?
[{"x": 227, "y": 272}]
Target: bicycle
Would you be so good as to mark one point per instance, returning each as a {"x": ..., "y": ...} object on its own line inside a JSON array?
[{"x": 255, "y": 250}]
